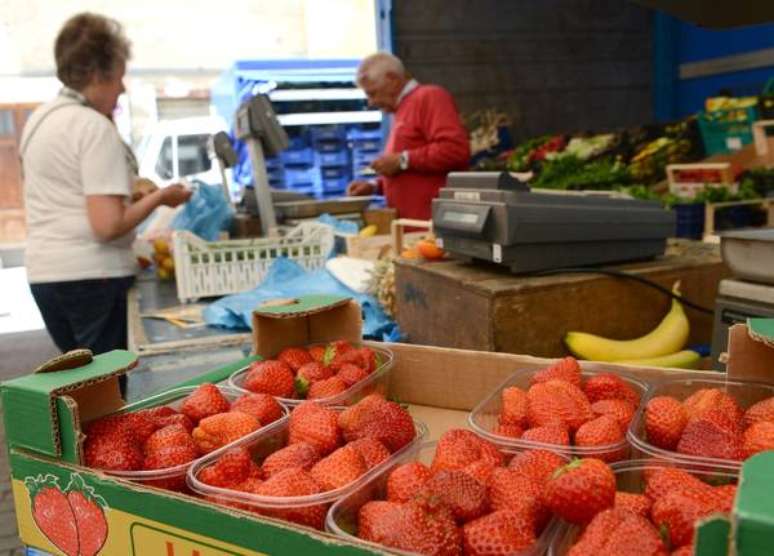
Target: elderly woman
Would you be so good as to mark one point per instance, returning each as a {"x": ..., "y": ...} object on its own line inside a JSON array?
[{"x": 77, "y": 186}]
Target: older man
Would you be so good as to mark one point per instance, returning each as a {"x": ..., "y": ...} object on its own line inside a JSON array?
[{"x": 426, "y": 141}]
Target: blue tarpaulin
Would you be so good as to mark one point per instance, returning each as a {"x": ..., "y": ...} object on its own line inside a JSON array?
[{"x": 206, "y": 213}]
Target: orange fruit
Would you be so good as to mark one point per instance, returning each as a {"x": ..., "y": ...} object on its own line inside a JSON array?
[
  {"x": 429, "y": 250},
  {"x": 410, "y": 253}
]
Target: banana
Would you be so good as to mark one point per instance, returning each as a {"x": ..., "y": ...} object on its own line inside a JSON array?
[
  {"x": 368, "y": 231},
  {"x": 668, "y": 337},
  {"x": 685, "y": 359}
]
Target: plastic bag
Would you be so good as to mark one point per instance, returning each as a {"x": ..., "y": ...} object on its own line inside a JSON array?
[{"x": 206, "y": 213}]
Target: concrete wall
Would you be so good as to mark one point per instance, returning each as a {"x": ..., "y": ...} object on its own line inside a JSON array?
[{"x": 552, "y": 65}]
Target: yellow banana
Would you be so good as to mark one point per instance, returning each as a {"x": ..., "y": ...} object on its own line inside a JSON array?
[
  {"x": 368, "y": 231},
  {"x": 685, "y": 359},
  {"x": 668, "y": 337}
]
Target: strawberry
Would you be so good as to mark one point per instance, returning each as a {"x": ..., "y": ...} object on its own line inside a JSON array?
[
  {"x": 458, "y": 448},
  {"x": 406, "y": 480},
  {"x": 317, "y": 353},
  {"x": 550, "y": 434},
  {"x": 664, "y": 480},
  {"x": 117, "y": 451},
  {"x": 480, "y": 470},
  {"x": 261, "y": 406},
  {"x": 175, "y": 419},
  {"x": 316, "y": 425},
  {"x": 375, "y": 417},
  {"x": 251, "y": 485},
  {"x": 171, "y": 456},
  {"x": 221, "y": 429},
  {"x": 105, "y": 426},
  {"x": 620, "y": 410},
  {"x": 706, "y": 437},
  {"x": 514, "y": 407},
  {"x": 229, "y": 470},
  {"x": 608, "y": 386},
  {"x": 510, "y": 490},
  {"x": 461, "y": 493},
  {"x": 335, "y": 350},
  {"x": 637, "y": 503},
  {"x": 566, "y": 369},
  {"x": 172, "y": 435},
  {"x": 351, "y": 357},
  {"x": 52, "y": 513},
  {"x": 724, "y": 497},
  {"x": 351, "y": 374},
  {"x": 410, "y": 527},
  {"x": 160, "y": 412},
  {"x": 538, "y": 465},
  {"x": 501, "y": 532},
  {"x": 557, "y": 401},
  {"x": 706, "y": 399},
  {"x": 615, "y": 531},
  {"x": 294, "y": 357},
  {"x": 141, "y": 425},
  {"x": 326, "y": 388},
  {"x": 371, "y": 359},
  {"x": 302, "y": 455},
  {"x": 89, "y": 516},
  {"x": 677, "y": 514},
  {"x": 270, "y": 377},
  {"x": 373, "y": 451},
  {"x": 758, "y": 437},
  {"x": 310, "y": 373},
  {"x": 206, "y": 400},
  {"x": 665, "y": 420},
  {"x": 339, "y": 468},
  {"x": 580, "y": 490},
  {"x": 761, "y": 411},
  {"x": 509, "y": 431},
  {"x": 602, "y": 431},
  {"x": 294, "y": 482},
  {"x": 686, "y": 550}
]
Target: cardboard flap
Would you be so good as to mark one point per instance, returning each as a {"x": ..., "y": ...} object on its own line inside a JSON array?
[
  {"x": 754, "y": 505},
  {"x": 35, "y": 404},
  {"x": 751, "y": 351}
]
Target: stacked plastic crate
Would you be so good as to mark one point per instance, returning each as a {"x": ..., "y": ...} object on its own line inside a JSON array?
[
  {"x": 365, "y": 145},
  {"x": 300, "y": 172},
  {"x": 332, "y": 157}
]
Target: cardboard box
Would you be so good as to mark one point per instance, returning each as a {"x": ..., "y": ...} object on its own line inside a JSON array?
[{"x": 441, "y": 385}]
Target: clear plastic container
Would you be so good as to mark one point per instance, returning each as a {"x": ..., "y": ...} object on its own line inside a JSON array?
[
  {"x": 483, "y": 420},
  {"x": 376, "y": 382},
  {"x": 263, "y": 443},
  {"x": 744, "y": 392},
  {"x": 342, "y": 516},
  {"x": 629, "y": 478},
  {"x": 173, "y": 477}
]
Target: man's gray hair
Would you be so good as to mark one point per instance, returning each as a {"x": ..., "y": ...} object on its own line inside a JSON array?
[{"x": 373, "y": 68}]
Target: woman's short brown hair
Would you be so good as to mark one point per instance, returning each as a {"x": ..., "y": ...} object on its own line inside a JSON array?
[{"x": 89, "y": 44}]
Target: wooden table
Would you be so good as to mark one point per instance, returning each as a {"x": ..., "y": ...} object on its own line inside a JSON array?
[{"x": 483, "y": 307}]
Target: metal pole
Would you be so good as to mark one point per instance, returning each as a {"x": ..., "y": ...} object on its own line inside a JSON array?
[{"x": 262, "y": 192}]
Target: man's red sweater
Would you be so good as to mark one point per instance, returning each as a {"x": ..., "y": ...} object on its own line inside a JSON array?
[{"x": 428, "y": 126}]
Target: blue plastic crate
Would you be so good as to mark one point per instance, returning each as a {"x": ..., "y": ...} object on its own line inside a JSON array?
[
  {"x": 367, "y": 145},
  {"x": 333, "y": 158},
  {"x": 355, "y": 134},
  {"x": 335, "y": 173},
  {"x": 298, "y": 157},
  {"x": 335, "y": 184},
  {"x": 298, "y": 141},
  {"x": 690, "y": 220},
  {"x": 330, "y": 145},
  {"x": 298, "y": 177},
  {"x": 273, "y": 163},
  {"x": 326, "y": 133}
]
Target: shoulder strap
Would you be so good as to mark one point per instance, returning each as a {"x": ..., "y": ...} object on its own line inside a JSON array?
[{"x": 23, "y": 146}]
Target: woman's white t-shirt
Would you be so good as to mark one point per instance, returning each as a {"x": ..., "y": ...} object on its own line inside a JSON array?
[{"x": 74, "y": 151}]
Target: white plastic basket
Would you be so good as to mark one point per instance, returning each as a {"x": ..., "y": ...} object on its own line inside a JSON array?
[{"x": 210, "y": 268}]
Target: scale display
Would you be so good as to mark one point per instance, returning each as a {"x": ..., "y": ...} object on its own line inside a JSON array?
[{"x": 460, "y": 217}]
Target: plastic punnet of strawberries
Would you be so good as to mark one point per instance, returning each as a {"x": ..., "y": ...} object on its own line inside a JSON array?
[
  {"x": 164, "y": 438},
  {"x": 314, "y": 373},
  {"x": 710, "y": 424},
  {"x": 561, "y": 408},
  {"x": 326, "y": 450}
]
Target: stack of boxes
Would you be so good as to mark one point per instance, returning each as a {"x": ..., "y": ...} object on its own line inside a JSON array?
[
  {"x": 366, "y": 144},
  {"x": 332, "y": 156}
]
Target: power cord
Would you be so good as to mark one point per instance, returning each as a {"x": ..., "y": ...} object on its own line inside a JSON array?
[{"x": 628, "y": 276}]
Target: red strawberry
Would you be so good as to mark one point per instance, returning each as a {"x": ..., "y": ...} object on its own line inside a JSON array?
[
  {"x": 335, "y": 350},
  {"x": 317, "y": 353},
  {"x": 206, "y": 400},
  {"x": 302, "y": 455},
  {"x": 761, "y": 411},
  {"x": 664, "y": 480},
  {"x": 89, "y": 517},
  {"x": 310, "y": 373},
  {"x": 677, "y": 514},
  {"x": 261, "y": 406},
  {"x": 105, "y": 426},
  {"x": 538, "y": 465},
  {"x": 315, "y": 424},
  {"x": 375, "y": 417},
  {"x": 52, "y": 513},
  {"x": 686, "y": 550},
  {"x": 480, "y": 470},
  {"x": 707, "y": 438},
  {"x": 602, "y": 431},
  {"x": 724, "y": 497},
  {"x": 566, "y": 369},
  {"x": 706, "y": 399},
  {"x": 141, "y": 425},
  {"x": 351, "y": 374},
  {"x": 294, "y": 482},
  {"x": 326, "y": 388},
  {"x": 757, "y": 438},
  {"x": 160, "y": 412},
  {"x": 557, "y": 401},
  {"x": 608, "y": 386},
  {"x": 270, "y": 377},
  {"x": 373, "y": 451},
  {"x": 620, "y": 410},
  {"x": 637, "y": 503},
  {"x": 172, "y": 435},
  {"x": 221, "y": 429},
  {"x": 371, "y": 359},
  {"x": 502, "y": 532},
  {"x": 665, "y": 420},
  {"x": 339, "y": 468},
  {"x": 176, "y": 419},
  {"x": 294, "y": 357},
  {"x": 118, "y": 452},
  {"x": 510, "y": 431},
  {"x": 510, "y": 490},
  {"x": 514, "y": 407},
  {"x": 406, "y": 480},
  {"x": 229, "y": 470},
  {"x": 580, "y": 490},
  {"x": 458, "y": 448},
  {"x": 166, "y": 458},
  {"x": 550, "y": 434},
  {"x": 616, "y": 531},
  {"x": 461, "y": 493},
  {"x": 351, "y": 357},
  {"x": 251, "y": 485}
]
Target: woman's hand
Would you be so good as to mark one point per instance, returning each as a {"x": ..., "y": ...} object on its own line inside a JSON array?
[{"x": 175, "y": 194}]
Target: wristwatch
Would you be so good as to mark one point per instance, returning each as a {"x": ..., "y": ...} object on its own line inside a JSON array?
[{"x": 403, "y": 160}]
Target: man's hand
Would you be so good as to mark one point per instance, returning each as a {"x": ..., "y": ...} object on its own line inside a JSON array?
[
  {"x": 359, "y": 188},
  {"x": 387, "y": 165},
  {"x": 174, "y": 195}
]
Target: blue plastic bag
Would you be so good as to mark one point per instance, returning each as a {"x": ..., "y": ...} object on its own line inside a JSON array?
[{"x": 206, "y": 213}]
